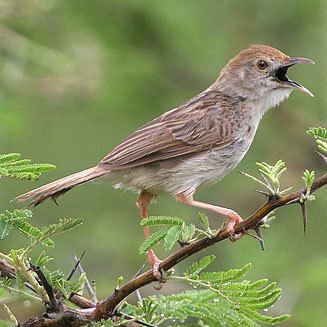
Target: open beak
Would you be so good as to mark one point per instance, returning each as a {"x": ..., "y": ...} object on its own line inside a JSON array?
[{"x": 281, "y": 77}]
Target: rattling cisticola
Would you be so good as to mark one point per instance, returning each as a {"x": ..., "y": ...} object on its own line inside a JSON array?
[{"x": 196, "y": 143}]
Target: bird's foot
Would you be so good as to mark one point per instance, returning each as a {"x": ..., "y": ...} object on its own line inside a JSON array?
[
  {"x": 155, "y": 264},
  {"x": 234, "y": 218}
]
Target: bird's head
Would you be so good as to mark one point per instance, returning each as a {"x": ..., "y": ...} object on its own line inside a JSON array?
[{"x": 260, "y": 72}]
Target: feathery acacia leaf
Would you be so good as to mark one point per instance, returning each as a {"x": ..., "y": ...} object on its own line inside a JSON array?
[
  {"x": 188, "y": 232},
  {"x": 172, "y": 237},
  {"x": 225, "y": 301},
  {"x": 161, "y": 221},
  {"x": 12, "y": 166},
  {"x": 154, "y": 238},
  {"x": 320, "y": 134},
  {"x": 196, "y": 267}
]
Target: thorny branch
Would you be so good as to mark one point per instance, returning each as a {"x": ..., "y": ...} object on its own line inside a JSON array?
[{"x": 89, "y": 311}]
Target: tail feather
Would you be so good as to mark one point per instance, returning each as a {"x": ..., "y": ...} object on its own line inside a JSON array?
[{"x": 61, "y": 186}]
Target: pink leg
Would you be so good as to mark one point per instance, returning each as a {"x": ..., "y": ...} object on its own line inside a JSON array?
[
  {"x": 142, "y": 203},
  {"x": 233, "y": 217}
]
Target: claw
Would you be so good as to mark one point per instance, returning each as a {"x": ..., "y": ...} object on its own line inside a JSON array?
[
  {"x": 155, "y": 263},
  {"x": 234, "y": 218}
]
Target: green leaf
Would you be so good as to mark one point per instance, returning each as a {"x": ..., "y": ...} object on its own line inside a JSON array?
[
  {"x": 8, "y": 157},
  {"x": 308, "y": 178},
  {"x": 161, "y": 220},
  {"x": 63, "y": 225},
  {"x": 11, "y": 166},
  {"x": 120, "y": 281},
  {"x": 32, "y": 232},
  {"x": 196, "y": 267},
  {"x": 222, "y": 277},
  {"x": 187, "y": 232},
  {"x": 221, "y": 299},
  {"x": 204, "y": 220},
  {"x": 318, "y": 132},
  {"x": 154, "y": 238},
  {"x": 172, "y": 237},
  {"x": 5, "y": 227},
  {"x": 43, "y": 259}
]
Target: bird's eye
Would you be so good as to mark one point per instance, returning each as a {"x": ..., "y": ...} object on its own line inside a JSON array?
[{"x": 261, "y": 64}]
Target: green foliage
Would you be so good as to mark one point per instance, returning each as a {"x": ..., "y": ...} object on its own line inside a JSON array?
[
  {"x": 198, "y": 266},
  {"x": 43, "y": 259},
  {"x": 217, "y": 299},
  {"x": 320, "y": 134},
  {"x": 271, "y": 177},
  {"x": 188, "y": 232},
  {"x": 17, "y": 221},
  {"x": 308, "y": 178},
  {"x": 204, "y": 220},
  {"x": 12, "y": 166},
  {"x": 161, "y": 220},
  {"x": 120, "y": 281},
  {"x": 154, "y": 239},
  {"x": 174, "y": 229},
  {"x": 172, "y": 237},
  {"x": 58, "y": 281}
]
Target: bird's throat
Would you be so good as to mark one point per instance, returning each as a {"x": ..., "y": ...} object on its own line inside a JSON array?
[{"x": 274, "y": 98}]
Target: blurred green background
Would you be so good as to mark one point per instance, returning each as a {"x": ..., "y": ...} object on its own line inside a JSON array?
[{"x": 76, "y": 77}]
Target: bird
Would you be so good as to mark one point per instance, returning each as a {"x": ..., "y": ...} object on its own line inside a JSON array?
[{"x": 194, "y": 144}]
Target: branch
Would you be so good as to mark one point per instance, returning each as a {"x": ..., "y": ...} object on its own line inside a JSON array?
[{"x": 106, "y": 308}]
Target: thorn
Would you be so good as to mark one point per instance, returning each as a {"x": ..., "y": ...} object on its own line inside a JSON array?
[
  {"x": 296, "y": 200},
  {"x": 140, "y": 269},
  {"x": 257, "y": 237},
  {"x": 88, "y": 286},
  {"x": 137, "y": 292},
  {"x": 304, "y": 216},
  {"x": 322, "y": 156},
  {"x": 268, "y": 195},
  {"x": 182, "y": 243},
  {"x": 69, "y": 277},
  {"x": 265, "y": 178},
  {"x": 260, "y": 236}
]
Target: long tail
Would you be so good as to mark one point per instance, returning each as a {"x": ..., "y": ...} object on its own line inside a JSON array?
[{"x": 61, "y": 186}]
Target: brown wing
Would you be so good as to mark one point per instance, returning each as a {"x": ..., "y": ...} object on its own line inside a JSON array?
[{"x": 191, "y": 128}]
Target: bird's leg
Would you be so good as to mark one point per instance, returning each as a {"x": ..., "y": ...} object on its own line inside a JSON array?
[
  {"x": 142, "y": 203},
  {"x": 233, "y": 217}
]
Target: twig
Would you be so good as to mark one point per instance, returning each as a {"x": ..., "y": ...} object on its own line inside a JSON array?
[{"x": 106, "y": 308}]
